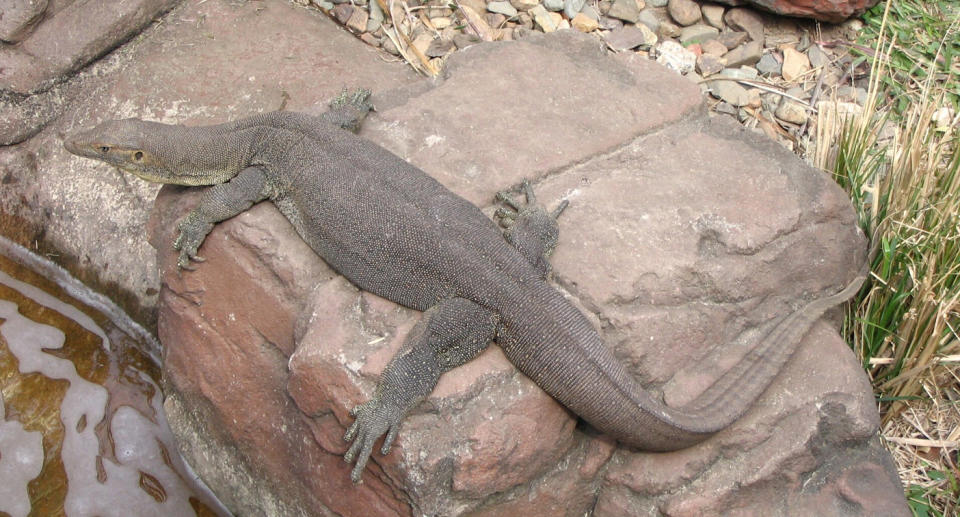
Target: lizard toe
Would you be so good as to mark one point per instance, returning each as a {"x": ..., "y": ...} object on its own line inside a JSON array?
[{"x": 373, "y": 420}]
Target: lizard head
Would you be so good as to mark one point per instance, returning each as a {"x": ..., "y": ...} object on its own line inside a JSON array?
[{"x": 134, "y": 146}]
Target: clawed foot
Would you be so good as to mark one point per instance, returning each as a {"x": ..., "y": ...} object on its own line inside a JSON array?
[
  {"x": 373, "y": 419},
  {"x": 358, "y": 99},
  {"x": 529, "y": 227},
  {"x": 507, "y": 216},
  {"x": 193, "y": 231},
  {"x": 349, "y": 109}
]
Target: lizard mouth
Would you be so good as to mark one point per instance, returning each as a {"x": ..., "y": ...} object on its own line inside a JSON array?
[
  {"x": 72, "y": 146},
  {"x": 80, "y": 146}
]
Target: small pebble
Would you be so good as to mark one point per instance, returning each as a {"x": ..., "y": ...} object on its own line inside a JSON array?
[
  {"x": 730, "y": 92},
  {"x": 795, "y": 64},
  {"x": 629, "y": 37},
  {"x": 650, "y": 19},
  {"x": 791, "y": 111},
  {"x": 625, "y": 10},
  {"x": 817, "y": 56},
  {"x": 732, "y": 39},
  {"x": 543, "y": 19},
  {"x": 441, "y": 22},
  {"x": 524, "y": 5},
  {"x": 713, "y": 15},
  {"x": 746, "y": 20},
  {"x": 502, "y": 7},
  {"x": 571, "y": 8},
  {"x": 942, "y": 118},
  {"x": 672, "y": 55},
  {"x": 584, "y": 23},
  {"x": 769, "y": 64},
  {"x": 668, "y": 29},
  {"x": 358, "y": 20},
  {"x": 744, "y": 72},
  {"x": 370, "y": 39},
  {"x": 714, "y": 48},
  {"x": 342, "y": 12},
  {"x": 553, "y": 5},
  {"x": 376, "y": 13},
  {"x": 697, "y": 33},
  {"x": 747, "y": 54},
  {"x": 684, "y": 12},
  {"x": 588, "y": 10},
  {"x": 708, "y": 64}
]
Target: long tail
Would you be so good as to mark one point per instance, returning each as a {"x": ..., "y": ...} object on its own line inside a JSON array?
[
  {"x": 727, "y": 398},
  {"x": 561, "y": 352}
]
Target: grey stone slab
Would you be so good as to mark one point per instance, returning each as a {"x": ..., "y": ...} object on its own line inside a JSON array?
[
  {"x": 541, "y": 125},
  {"x": 18, "y": 17},
  {"x": 684, "y": 234},
  {"x": 71, "y": 38},
  {"x": 206, "y": 63}
]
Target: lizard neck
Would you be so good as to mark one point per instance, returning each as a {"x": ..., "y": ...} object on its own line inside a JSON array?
[{"x": 199, "y": 155}]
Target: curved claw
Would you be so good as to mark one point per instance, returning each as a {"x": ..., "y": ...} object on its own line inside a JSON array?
[
  {"x": 373, "y": 420},
  {"x": 504, "y": 197},
  {"x": 560, "y": 208},
  {"x": 193, "y": 231},
  {"x": 527, "y": 189},
  {"x": 514, "y": 209},
  {"x": 185, "y": 257},
  {"x": 505, "y": 217},
  {"x": 184, "y": 263}
]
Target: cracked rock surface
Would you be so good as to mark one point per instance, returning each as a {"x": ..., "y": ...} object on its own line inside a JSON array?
[{"x": 684, "y": 234}]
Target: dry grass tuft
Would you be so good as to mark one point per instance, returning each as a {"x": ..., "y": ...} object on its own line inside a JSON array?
[
  {"x": 904, "y": 324},
  {"x": 924, "y": 439}
]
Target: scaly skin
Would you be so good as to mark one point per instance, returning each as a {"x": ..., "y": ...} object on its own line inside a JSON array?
[{"x": 393, "y": 230}]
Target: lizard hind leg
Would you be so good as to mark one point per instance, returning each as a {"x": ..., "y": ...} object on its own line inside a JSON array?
[
  {"x": 449, "y": 334},
  {"x": 348, "y": 109},
  {"x": 529, "y": 227}
]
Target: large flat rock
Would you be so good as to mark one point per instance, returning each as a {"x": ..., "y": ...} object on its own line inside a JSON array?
[{"x": 684, "y": 234}]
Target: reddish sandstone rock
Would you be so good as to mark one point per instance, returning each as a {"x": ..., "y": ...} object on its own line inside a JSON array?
[
  {"x": 709, "y": 233},
  {"x": 683, "y": 236},
  {"x": 834, "y": 11}
]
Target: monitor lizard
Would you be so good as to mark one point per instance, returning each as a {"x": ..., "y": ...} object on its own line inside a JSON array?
[{"x": 393, "y": 230}]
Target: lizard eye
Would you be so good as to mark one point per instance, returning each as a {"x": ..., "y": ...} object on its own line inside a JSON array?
[
  {"x": 138, "y": 155},
  {"x": 104, "y": 149}
]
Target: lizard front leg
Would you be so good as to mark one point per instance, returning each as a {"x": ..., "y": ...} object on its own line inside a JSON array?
[
  {"x": 449, "y": 334},
  {"x": 218, "y": 203}
]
